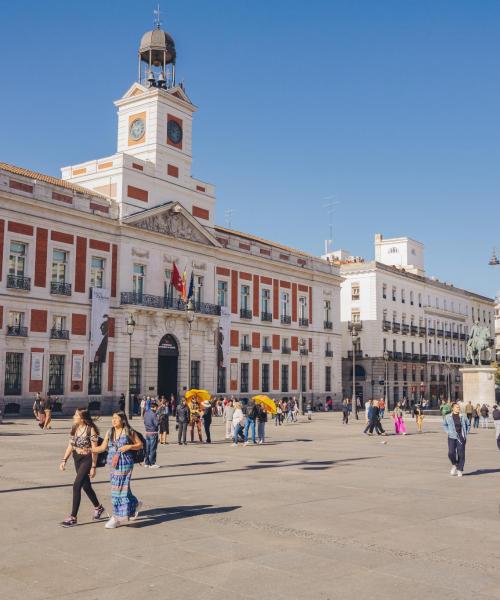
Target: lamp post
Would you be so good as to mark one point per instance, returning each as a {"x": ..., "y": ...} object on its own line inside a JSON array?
[
  {"x": 302, "y": 346},
  {"x": 448, "y": 380},
  {"x": 189, "y": 319},
  {"x": 386, "y": 375},
  {"x": 353, "y": 326},
  {"x": 130, "y": 332}
]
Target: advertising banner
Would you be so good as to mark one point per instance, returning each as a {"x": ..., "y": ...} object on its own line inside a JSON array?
[
  {"x": 77, "y": 367},
  {"x": 223, "y": 337},
  {"x": 99, "y": 325},
  {"x": 36, "y": 366}
]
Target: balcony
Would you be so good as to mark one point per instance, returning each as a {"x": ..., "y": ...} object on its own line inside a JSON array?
[
  {"x": 389, "y": 354},
  {"x": 431, "y": 331},
  {"x": 285, "y": 319},
  {"x": 267, "y": 349},
  {"x": 60, "y": 288},
  {"x": 266, "y": 316},
  {"x": 286, "y": 350},
  {"x": 455, "y": 335},
  {"x": 245, "y": 347},
  {"x": 149, "y": 301},
  {"x": 462, "y": 336},
  {"x": 447, "y": 334},
  {"x": 413, "y": 329},
  {"x": 396, "y": 327},
  {"x": 17, "y": 331},
  {"x": 59, "y": 334},
  {"x": 329, "y": 353},
  {"x": 386, "y": 325},
  {"x": 327, "y": 325},
  {"x": 440, "y": 333},
  {"x": 405, "y": 328},
  {"x": 407, "y": 355},
  {"x": 434, "y": 357},
  {"x": 304, "y": 351},
  {"x": 303, "y": 322},
  {"x": 19, "y": 282},
  {"x": 245, "y": 313},
  {"x": 398, "y": 355},
  {"x": 421, "y": 331},
  {"x": 358, "y": 354},
  {"x": 356, "y": 325}
]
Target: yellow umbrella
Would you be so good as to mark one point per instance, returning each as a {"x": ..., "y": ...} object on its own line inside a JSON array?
[
  {"x": 200, "y": 394},
  {"x": 267, "y": 402}
]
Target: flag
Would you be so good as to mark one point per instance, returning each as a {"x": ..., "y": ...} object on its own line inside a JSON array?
[
  {"x": 191, "y": 286},
  {"x": 175, "y": 279},
  {"x": 184, "y": 286}
]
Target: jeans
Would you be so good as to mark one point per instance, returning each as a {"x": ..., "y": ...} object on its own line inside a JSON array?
[
  {"x": 261, "y": 429},
  {"x": 206, "y": 427},
  {"x": 248, "y": 424},
  {"x": 484, "y": 422},
  {"x": 456, "y": 453},
  {"x": 375, "y": 424},
  {"x": 237, "y": 430},
  {"x": 182, "y": 432},
  {"x": 151, "y": 446},
  {"x": 476, "y": 421}
]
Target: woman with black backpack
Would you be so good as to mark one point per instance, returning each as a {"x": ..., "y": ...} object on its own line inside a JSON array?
[
  {"x": 123, "y": 445},
  {"x": 82, "y": 441}
]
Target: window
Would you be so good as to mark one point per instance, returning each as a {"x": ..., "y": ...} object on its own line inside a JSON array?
[
  {"x": 328, "y": 310},
  {"x": 222, "y": 293},
  {"x": 195, "y": 374},
  {"x": 303, "y": 314},
  {"x": 329, "y": 347},
  {"x": 394, "y": 293},
  {"x": 13, "y": 373},
  {"x": 199, "y": 282},
  {"x": 328, "y": 379},
  {"x": 420, "y": 300},
  {"x": 284, "y": 378},
  {"x": 265, "y": 342},
  {"x": 384, "y": 290},
  {"x": 138, "y": 279},
  {"x": 95, "y": 378},
  {"x": 59, "y": 263},
  {"x": 266, "y": 300},
  {"x": 17, "y": 259},
  {"x": 411, "y": 298},
  {"x": 97, "y": 272},
  {"x": 135, "y": 375},
  {"x": 59, "y": 322},
  {"x": 245, "y": 297},
  {"x": 265, "y": 377},
  {"x": 355, "y": 316},
  {"x": 16, "y": 319},
  {"x": 403, "y": 296},
  {"x": 245, "y": 342},
  {"x": 56, "y": 374},
  {"x": 303, "y": 378},
  {"x": 285, "y": 304},
  {"x": 355, "y": 291},
  {"x": 244, "y": 377},
  {"x": 168, "y": 288},
  {"x": 221, "y": 380}
]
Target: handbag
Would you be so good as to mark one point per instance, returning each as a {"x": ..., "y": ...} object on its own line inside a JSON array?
[
  {"x": 138, "y": 456},
  {"x": 102, "y": 457}
]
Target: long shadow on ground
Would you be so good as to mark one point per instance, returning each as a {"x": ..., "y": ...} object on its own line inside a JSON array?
[{"x": 155, "y": 516}]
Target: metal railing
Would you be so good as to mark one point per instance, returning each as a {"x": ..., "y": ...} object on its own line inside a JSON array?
[
  {"x": 285, "y": 319},
  {"x": 304, "y": 322},
  {"x": 167, "y": 302},
  {"x": 59, "y": 334},
  {"x": 266, "y": 316},
  {"x": 17, "y": 331},
  {"x": 245, "y": 313},
  {"x": 267, "y": 349},
  {"x": 246, "y": 347},
  {"x": 19, "y": 282},
  {"x": 286, "y": 350},
  {"x": 327, "y": 325},
  {"x": 60, "y": 288}
]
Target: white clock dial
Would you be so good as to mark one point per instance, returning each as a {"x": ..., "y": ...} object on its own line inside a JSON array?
[{"x": 137, "y": 128}]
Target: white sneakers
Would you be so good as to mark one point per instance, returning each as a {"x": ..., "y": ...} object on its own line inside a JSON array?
[
  {"x": 453, "y": 470},
  {"x": 113, "y": 523},
  {"x": 155, "y": 466},
  {"x": 459, "y": 473}
]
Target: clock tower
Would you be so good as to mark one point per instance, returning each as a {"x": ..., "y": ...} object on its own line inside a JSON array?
[{"x": 153, "y": 162}]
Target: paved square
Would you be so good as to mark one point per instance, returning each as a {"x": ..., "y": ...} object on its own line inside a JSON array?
[{"x": 320, "y": 512}]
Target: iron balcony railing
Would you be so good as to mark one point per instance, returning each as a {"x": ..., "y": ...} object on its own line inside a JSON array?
[
  {"x": 455, "y": 335},
  {"x": 17, "y": 331},
  {"x": 421, "y": 331},
  {"x": 304, "y": 322},
  {"x": 304, "y": 351},
  {"x": 440, "y": 332},
  {"x": 286, "y": 350},
  {"x": 431, "y": 331},
  {"x": 266, "y": 316},
  {"x": 245, "y": 313},
  {"x": 462, "y": 336},
  {"x": 357, "y": 325},
  {"x": 357, "y": 354},
  {"x": 327, "y": 324},
  {"x": 447, "y": 334},
  {"x": 398, "y": 355},
  {"x": 329, "y": 353},
  {"x": 59, "y": 334},
  {"x": 246, "y": 347},
  {"x": 285, "y": 319},
  {"x": 405, "y": 328},
  {"x": 167, "y": 302},
  {"x": 60, "y": 288},
  {"x": 434, "y": 357},
  {"x": 407, "y": 356},
  {"x": 19, "y": 282},
  {"x": 396, "y": 327},
  {"x": 413, "y": 329},
  {"x": 267, "y": 349},
  {"x": 386, "y": 325}
]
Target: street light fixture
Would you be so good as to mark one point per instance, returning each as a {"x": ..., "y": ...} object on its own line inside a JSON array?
[
  {"x": 354, "y": 327},
  {"x": 302, "y": 346},
  {"x": 189, "y": 319},
  {"x": 130, "y": 332},
  {"x": 386, "y": 376}
]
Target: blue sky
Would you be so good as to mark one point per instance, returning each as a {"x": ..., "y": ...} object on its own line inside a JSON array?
[{"x": 389, "y": 107}]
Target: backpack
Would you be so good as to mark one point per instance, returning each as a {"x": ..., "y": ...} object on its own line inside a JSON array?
[
  {"x": 138, "y": 455},
  {"x": 102, "y": 457}
]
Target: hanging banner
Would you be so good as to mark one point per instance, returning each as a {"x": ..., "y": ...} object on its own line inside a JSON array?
[
  {"x": 99, "y": 325},
  {"x": 36, "y": 366},
  {"x": 223, "y": 337},
  {"x": 77, "y": 367}
]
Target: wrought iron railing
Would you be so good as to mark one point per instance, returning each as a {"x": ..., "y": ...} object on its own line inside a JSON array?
[
  {"x": 60, "y": 288},
  {"x": 245, "y": 313},
  {"x": 59, "y": 334},
  {"x": 266, "y": 316},
  {"x": 17, "y": 331},
  {"x": 285, "y": 319},
  {"x": 168, "y": 302},
  {"x": 19, "y": 282}
]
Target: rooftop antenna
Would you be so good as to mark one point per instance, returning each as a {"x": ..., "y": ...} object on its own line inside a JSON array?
[
  {"x": 156, "y": 12},
  {"x": 228, "y": 215},
  {"x": 330, "y": 206}
]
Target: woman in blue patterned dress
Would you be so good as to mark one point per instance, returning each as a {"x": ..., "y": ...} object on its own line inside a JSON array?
[{"x": 120, "y": 440}]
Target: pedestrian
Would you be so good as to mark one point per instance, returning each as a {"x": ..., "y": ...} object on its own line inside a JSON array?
[
  {"x": 345, "y": 412},
  {"x": 238, "y": 422},
  {"x": 397, "y": 417},
  {"x": 227, "y": 415},
  {"x": 207, "y": 420},
  {"x": 457, "y": 428},
  {"x": 419, "y": 416},
  {"x": 375, "y": 423},
  {"x": 195, "y": 420},
  {"x": 368, "y": 407},
  {"x": 496, "y": 420},
  {"x": 469, "y": 410},
  {"x": 279, "y": 412},
  {"x": 121, "y": 402},
  {"x": 38, "y": 410},
  {"x": 83, "y": 439},
  {"x": 445, "y": 408},
  {"x": 261, "y": 423},
  {"x": 477, "y": 415},
  {"x": 251, "y": 416},
  {"x": 121, "y": 441},
  {"x": 48, "y": 405},
  {"x": 484, "y": 413},
  {"x": 143, "y": 406},
  {"x": 309, "y": 410},
  {"x": 381, "y": 407},
  {"x": 151, "y": 426},
  {"x": 162, "y": 412},
  {"x": 173, "y": 405},
  {"x": 182, "y": 418},
  {"x": 296, "y": 409}
]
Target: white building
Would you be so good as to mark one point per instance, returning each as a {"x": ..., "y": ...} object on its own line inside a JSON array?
[
  {"x": 119, "y": 224},
  {"x": 420, "y": 323}
]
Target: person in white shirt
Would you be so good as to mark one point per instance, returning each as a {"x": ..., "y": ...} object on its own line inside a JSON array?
[
  {"x": 238, "y": 422},
  {"x": 228, "y": 419}
]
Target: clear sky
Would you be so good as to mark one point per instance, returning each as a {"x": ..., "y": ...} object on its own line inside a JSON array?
[{"x": 391, "y": 108}]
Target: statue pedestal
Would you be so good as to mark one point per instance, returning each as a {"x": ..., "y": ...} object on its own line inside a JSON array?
[{"x": 479, "y": 385}]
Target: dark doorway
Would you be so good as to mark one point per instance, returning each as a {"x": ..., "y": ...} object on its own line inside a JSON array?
[{"x": 168, "y": 357}]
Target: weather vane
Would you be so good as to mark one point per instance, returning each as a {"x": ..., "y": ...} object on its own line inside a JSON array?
[{"x": 156, "y": 13}]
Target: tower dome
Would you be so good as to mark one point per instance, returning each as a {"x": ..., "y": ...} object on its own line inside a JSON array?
[{"x": 157, "y": 57}]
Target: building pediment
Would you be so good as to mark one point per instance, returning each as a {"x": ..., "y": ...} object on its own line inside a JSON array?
[{"x": 173, "y": 220}]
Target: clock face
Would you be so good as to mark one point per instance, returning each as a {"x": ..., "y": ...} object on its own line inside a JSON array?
[
  {"x": 174, "y": 132},
  {"x": 137, "y": 128}
]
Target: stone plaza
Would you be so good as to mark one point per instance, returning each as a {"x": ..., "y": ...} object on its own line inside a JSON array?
[{"x": 320, "y": 511}]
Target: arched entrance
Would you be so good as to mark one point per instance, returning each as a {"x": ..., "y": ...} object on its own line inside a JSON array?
[{"x": 168, "y": 357}]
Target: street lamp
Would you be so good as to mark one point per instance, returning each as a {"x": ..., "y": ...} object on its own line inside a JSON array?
[
  {"x": 354, "y": 327},
  {"x": 302, "y": 346},
  {"x": 190, "y": 319},
  {"x": 448, "y": 380},
  {"x": 130, "y": 332},
  {"x": 386, "y": 376}
]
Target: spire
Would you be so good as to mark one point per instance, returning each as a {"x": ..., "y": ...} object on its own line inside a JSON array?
[{"x": 157, "y": 20}]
